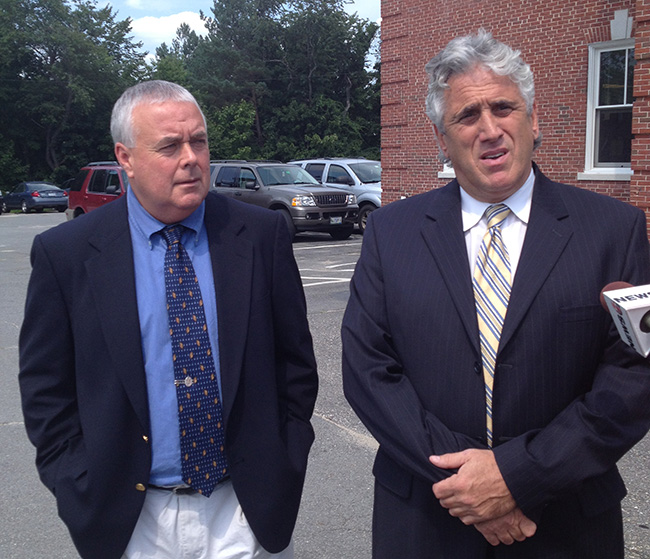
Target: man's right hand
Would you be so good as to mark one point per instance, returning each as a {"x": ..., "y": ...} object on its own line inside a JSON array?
[{"x": 511, "y": 527}]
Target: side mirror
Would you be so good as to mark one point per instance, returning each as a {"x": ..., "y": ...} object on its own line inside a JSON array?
[
  {"x": 112, "y": 189},
  {"x": 250, "y": 184}
]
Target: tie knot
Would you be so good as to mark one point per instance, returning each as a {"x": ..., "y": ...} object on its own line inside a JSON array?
[
  {"x": 496, "y": 215},
  {"x": 172, "y": 234}
]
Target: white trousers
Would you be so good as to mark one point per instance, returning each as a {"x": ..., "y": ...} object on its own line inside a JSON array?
[{"x": 191, "y": 526}]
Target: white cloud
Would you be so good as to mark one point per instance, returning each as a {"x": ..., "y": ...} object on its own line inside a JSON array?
[{"x": 153, "y": 31}]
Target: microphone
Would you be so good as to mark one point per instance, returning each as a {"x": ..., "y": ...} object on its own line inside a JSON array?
[{"x": 630, "y": 309}]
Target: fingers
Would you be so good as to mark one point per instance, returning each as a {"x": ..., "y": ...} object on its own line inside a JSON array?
[{"x": 512, "y": 527}]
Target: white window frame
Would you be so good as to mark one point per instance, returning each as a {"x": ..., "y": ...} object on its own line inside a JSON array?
[{"x": 593, "y": 172}]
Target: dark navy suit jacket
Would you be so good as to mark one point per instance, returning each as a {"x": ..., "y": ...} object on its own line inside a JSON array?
[
  {"x": 569, "y": 397},
  {"x": 83, "y": 382}
]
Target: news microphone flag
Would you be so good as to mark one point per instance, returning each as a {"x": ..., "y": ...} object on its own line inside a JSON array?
[{"x": 630, "y": 309}]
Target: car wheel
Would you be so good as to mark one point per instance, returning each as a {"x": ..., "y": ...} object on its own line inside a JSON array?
[
  {"x": 61, "y": 209},
  {"x": 5, "y": 209},
  {"x": 364, "y": 212},
  {"x": 24, "y": 208},
  {"x": 341, "y": 234},
  {"x": 289, "y": 221}
]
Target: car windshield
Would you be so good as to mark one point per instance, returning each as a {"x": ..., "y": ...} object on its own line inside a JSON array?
[
  {"x": 368, "y": 171},
  {"x": 275, "y": 175},
  {"x": 40, "y": 186}
]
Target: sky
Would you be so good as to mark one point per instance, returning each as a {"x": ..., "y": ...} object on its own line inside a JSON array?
[{"x": 155, "y": 21}]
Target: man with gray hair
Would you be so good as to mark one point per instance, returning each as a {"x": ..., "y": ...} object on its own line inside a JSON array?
[
  {"x": 166, "y": 366},
  {"x": 475, "y": 349}
]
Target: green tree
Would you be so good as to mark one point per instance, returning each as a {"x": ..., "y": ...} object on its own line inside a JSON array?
[{"x": 72, "y": 60}]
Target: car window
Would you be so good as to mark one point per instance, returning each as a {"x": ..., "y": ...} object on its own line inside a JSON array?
[
  {"x": 275, "y": 175},
  {"x": 228, "y": 176},
  {"x": 244, "y": 176},
  {"x": 79, "y": 180},
  {"x": 113, "y": 180},
  {"x": 315, "y": 170},
  {"x": 368, "y": 171},
  {"x": 98, "y": 181},
  {"x": 338, "y": 174}
]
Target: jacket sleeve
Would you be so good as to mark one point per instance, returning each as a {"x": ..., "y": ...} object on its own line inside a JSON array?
[
  {"x": 295, "y": 359},
  {"x": 587, "y": 438},
  {"x": 47, "y": 373},
  {"x": 375, "y": 382}
]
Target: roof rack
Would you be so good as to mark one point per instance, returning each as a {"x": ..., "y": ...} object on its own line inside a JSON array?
[
  {"x": 97, "y": 163},
  {"x": 245, "y": 161}
]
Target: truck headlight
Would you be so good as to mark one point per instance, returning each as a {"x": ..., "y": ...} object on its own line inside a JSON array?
[{"x": 298, "y": 201}]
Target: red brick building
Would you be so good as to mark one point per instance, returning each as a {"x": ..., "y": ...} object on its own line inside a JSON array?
[{"x": 585, "y": 55}]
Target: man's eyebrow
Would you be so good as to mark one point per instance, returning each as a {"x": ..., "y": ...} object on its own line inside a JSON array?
[{"x": 171, "y": 139}]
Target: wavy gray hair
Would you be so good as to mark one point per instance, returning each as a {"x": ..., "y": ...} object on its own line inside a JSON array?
[
  {"x": 153, "y": 91},
  {"x": 460, "y": 56}
]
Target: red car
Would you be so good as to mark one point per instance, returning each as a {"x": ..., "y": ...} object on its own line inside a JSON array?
[{"x": 96, "y": 184}]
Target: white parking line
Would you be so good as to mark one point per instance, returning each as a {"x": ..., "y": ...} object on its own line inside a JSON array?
[
  {"x": 313, "y": 247},
  {"x": 324, "y": 281}
]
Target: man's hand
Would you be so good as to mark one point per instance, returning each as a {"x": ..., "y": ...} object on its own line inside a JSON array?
[
  {"x": 477, "y": 493},
  {"x": 514, "y": 526}
]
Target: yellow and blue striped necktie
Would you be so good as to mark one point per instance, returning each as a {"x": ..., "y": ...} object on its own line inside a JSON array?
[{"x": 491, "y": 291}]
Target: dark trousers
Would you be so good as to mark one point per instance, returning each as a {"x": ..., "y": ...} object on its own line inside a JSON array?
[{"x": 417, "y": 527}]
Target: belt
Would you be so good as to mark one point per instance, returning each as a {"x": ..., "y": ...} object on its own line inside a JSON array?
[
  {"x": 183, "y": 489},
  {"x": 176, "y": 489}
]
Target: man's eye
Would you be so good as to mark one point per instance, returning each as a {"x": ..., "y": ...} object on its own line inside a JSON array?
[
  {"x": 199, "y": 143},
  {"x": 502, "y": 110},
  {"x": 167, "y": 149},
  {"x": 467, "y": 118}
]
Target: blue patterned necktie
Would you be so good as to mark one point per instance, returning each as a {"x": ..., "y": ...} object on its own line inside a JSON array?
[
  {"x": 200, "y": 414},
  {"x": 492, "y": 292}
]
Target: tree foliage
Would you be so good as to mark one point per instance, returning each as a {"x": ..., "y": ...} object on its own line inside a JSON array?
[
  {"x": 277, "y": 79},
  {"x": 63, "y": 66}
]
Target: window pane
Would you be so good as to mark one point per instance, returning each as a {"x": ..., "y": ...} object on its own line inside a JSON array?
[
  {"x": 612, "y": 78},
  {"x": 629, "y": 97},
  {"x": 614, "y": 136}
]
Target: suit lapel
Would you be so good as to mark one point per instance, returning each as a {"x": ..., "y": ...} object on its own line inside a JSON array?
[
  {"x": 112, "y": 279},
  {"x": 443, "y": 233},
  {"x": 232, "y": 265},
  {"x": 547, "y": 235}
]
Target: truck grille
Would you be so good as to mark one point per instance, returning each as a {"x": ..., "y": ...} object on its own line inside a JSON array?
[{"x": 331, "y": 199}]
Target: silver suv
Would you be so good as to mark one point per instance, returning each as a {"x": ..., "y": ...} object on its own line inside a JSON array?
[
  {"x": 362, "y": 177},
  {"x": 305, "y": 204}
]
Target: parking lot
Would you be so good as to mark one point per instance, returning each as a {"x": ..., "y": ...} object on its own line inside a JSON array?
[{"x": 334, "y": 522}]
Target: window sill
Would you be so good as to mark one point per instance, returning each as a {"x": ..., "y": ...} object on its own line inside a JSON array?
[{"x": 612, "y": 174}]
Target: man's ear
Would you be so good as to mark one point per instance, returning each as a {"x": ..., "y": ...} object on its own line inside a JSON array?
[
  {"x": 123, "y": 156},
  {"x": 440, "y": 138}
]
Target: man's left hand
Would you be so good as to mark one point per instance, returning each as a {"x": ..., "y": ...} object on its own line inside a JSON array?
[{"x": 477, "y": 492}]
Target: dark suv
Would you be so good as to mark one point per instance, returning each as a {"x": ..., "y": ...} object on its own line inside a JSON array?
[
  {"x": 95, "y": 185},
  {"x": 305, "y": 204}
]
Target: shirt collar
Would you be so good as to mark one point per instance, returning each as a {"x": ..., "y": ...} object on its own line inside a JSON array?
[
  {"x": 519, "y": 203},
  {"x": 146, "y": 225}
]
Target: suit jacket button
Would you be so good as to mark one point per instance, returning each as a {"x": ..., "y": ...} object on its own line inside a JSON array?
[{"x": 140, "y": 487}]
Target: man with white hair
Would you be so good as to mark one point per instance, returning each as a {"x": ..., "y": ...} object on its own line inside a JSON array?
[
  {"x": 166, "y": 365},
  {"x": 475, "y": 349}
]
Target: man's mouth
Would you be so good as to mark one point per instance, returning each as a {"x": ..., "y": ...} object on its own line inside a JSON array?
[{"x": 494, "y": 155}]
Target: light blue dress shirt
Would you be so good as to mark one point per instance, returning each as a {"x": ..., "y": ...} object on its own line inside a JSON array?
[{"x": 148, "y": 255}]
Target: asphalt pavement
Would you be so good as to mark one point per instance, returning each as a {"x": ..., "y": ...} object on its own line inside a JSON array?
[{"x": 335, "y": 517}]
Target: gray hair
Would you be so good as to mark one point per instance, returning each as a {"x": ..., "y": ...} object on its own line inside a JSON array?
[
  {"x": 151, "y": 92},
  {"x": 460, "y": 56}
]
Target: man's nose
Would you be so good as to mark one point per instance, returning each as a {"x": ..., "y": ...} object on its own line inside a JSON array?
[
  {"x": 188, "y": 155},
  {"x": 489, "y": 127}
]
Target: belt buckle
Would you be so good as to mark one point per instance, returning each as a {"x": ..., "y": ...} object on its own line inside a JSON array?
[{"x": 183, "y": 490}]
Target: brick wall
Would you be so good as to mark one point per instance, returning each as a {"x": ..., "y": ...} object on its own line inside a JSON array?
[{"x": 553, "y": 37}]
